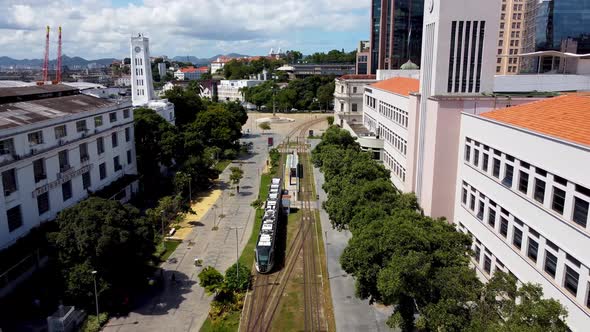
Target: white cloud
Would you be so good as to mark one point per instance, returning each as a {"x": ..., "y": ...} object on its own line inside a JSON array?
[{"x": 94, "y": 28}]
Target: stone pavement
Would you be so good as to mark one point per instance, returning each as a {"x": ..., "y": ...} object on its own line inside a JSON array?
[
  {"x": 350, "y": 312},
  {"x": 183, "y": 305}
]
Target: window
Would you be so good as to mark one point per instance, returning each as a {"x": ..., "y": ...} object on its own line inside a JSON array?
[
  {"x": 83, "y": 152},
  {"x": 98, "y": 121},
  {"x": 6, "y": 147},
  {"x": 464, "y": 196},
  {"x": 129, "y": 157},
  {"x": 517, "y": 238},
  {"x": 66, "y": 190},
  {"x": 36, "y": 138},
  {"x": 571, "y": 280},
  {"x": 14, "y": 218},
  {"x": 476, "y": 157},
  {"x": 116, "y": 164},
  {"x": 523, "y": 182},
  {"x": 355, "y": 108},
  {"x": 492, "y": 218},
  {"x": 487, "y": 264},
  {"x": 9, "y": 182},
  {"x": 60, "y": 131},
  {"x": 354, "y": 89},
  {"x": 86, "y": 182},
  {"x": 508, "y": 175},
  {"x": 539, "y": 194},
  {"x": 477, "y": 254},
  {"x": 480, "y": 210},
  {"x": 558, "y": 200},
  {"x": 485, "y": 162},
  {"x": 560, "y": 180},
  {"x": 81, "y": 126},
  {"x": 550, "y": 263},
  {"x": 113, "y": 117},
  {"x": 102, "y": 169},
  {"x": 64, "y": 163},
  {"x": 580, "y": 211},
  {"x": 100, "y": 145},
  {"x": 496, "y": 170},
  {"x": 472, "y": 203},
  {"x": 43, "y": 203},
  {"x": 126, "y": 114},
  {"x": 114, "y": 140},
  {"x": 127, "y": 134},
  {"x": 467, "y": 153},
  {"x": 39, "y": 170},
  {"x": 503, "y": 227},
  {"x": 533, "y": 250}
]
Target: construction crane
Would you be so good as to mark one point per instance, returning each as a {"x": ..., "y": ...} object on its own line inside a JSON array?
[
  {"x": 59, "y": 66},
  {"x": 46, "y": 59}
]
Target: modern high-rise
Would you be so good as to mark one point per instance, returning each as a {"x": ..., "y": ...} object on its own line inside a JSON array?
[
  {"x": 510, "y": 39},
  {"x": 555, "y": 25},
  {"x": 396, "y": 33}
]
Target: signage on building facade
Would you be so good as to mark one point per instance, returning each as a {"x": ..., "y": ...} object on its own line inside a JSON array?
[{"x": 65, "y": 177}]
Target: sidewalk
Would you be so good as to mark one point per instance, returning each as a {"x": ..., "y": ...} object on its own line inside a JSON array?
[
  {"x": 184, "y": 306},
  {"x": 350, "y": 312}
]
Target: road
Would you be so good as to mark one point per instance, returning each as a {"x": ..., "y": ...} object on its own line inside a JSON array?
[{"x": 350, "y": 312}]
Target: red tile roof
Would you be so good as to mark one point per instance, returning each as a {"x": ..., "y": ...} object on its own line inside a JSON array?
[
  {"x": 357, "y": 77},
  {"x": 190, "y": 69},
  {"x": 399, "y": 85},
  {"x": 565, "y": 117}
]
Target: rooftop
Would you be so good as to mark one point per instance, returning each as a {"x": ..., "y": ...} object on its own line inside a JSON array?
[
  {"x": 357, "y": 77},
  {"x": 29, "y": 112},
  {"x": 565, "y": 117},
  {"x": 399, "y": 85}
]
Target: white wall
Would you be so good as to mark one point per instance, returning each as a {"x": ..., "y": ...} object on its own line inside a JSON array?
[
  {"x": 545, "y": 83},
  {"x": 570, "y": 238},
  {"x": 384, "y": 74},
  {"x": 25, "y": 195}
]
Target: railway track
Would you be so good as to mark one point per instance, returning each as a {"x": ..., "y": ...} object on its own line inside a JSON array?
[{"x": 268, "y": 289}]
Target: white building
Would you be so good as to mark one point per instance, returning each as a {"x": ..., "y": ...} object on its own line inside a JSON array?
[
  {"x": 523, "y": 193},
  {"x": 189, "y": 73},
  {"x": 123, "y": 81},
  {"x": 142, "y": 87},
  {"x": 229, "y": 90},
  {"x": 348, "y": 93},
  {"x": 56, "y": 146},
  {"x": 162, "y": 70},
  {"x": 219, "y": 63}
]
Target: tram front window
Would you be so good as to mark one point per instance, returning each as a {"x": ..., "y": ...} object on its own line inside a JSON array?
[{"x": 262, "y": 259}]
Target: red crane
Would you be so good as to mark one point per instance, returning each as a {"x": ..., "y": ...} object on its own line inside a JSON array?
[
  {"x": 58, "y": 71},
  {"x": 46, "y": 59}
]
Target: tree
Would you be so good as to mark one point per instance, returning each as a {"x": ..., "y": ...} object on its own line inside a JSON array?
[
  {"x": 107, "y": 237},
  {"x": 217, "y": 126},
  {"x": 211, "y": 279},
  {"x": 330, "y": 120},
  {"x": 326, "y": 94},
  {"x": 236, "y": 175},
  {"x": 264, "y": 126},
  {"x": 187, "y": 104},
  {"x": 237, "y": 281}
]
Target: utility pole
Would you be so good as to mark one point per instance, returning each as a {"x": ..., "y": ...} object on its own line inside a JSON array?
[{"x": 237, "y": 253}]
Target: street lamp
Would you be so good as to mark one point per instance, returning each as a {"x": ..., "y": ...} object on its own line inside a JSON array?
[{"x": 95, "y": 295}]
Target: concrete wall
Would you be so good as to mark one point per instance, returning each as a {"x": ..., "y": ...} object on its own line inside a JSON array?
[
  {"x": 537, "y": 221},
  {"x": 549, "y": 82}
]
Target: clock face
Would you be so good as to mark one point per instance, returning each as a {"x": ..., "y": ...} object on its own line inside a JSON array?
[
  {"x": 430, "y": 5},
  {"x": 137, "y": 49}
]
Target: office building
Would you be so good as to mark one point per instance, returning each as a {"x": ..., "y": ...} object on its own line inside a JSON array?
[
  {"x": 523, "y": 193},
  {"x": 510, "y": 38},
  {"x": 396, "y": 33},
  {"x": 362, "y": 58},
  {"x": 56, "y": 147}
]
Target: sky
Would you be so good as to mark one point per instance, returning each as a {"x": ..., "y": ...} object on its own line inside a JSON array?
[{"x": 203, "y": 28}]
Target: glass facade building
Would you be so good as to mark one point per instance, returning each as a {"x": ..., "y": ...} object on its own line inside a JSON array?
[
  {"x": 396, "y": 33},
  {"x": 563, "y": 25}
]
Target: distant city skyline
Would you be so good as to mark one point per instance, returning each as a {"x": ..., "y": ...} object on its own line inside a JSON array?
[{"x": 95, "y": 29}]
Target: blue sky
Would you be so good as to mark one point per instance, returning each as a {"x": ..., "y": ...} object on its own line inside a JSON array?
[{"x": 202, "y": 28}]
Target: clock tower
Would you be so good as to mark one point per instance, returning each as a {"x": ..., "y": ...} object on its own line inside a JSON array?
[{"x": 142, "y": 88}]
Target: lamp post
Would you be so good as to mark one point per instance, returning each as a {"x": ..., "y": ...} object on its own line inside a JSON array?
[
  {"x": 95, "y": 295},
  {"x": 237, "y": 253},
  {"x": 162, "y": 222},
  {"x": 190, "y": 191}
]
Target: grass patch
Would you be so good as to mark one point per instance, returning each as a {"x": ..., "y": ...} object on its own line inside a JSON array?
[
  {"x": 222, "y": 165},
  {"x": 228, "y": 324},
  {"x": 169, "y": 247}
]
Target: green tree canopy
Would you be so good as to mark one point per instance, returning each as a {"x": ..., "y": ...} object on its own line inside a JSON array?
[
  {"x": 187, "y": 104},
  {"x": 105, "y": 236},
  {"x": 237, "y": 282},
  {"x": 211, "y": 279}
]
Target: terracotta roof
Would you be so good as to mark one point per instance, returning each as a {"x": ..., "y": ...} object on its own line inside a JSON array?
[
  {"x": 357, "y": 77},
  {"x": 565, "y": 117},
  {"x": 399, "y": 85}
]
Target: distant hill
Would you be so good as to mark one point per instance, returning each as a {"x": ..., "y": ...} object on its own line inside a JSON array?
[
  {"x": 196, "y": 60},
  {"x": 66, "y": 61}
]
